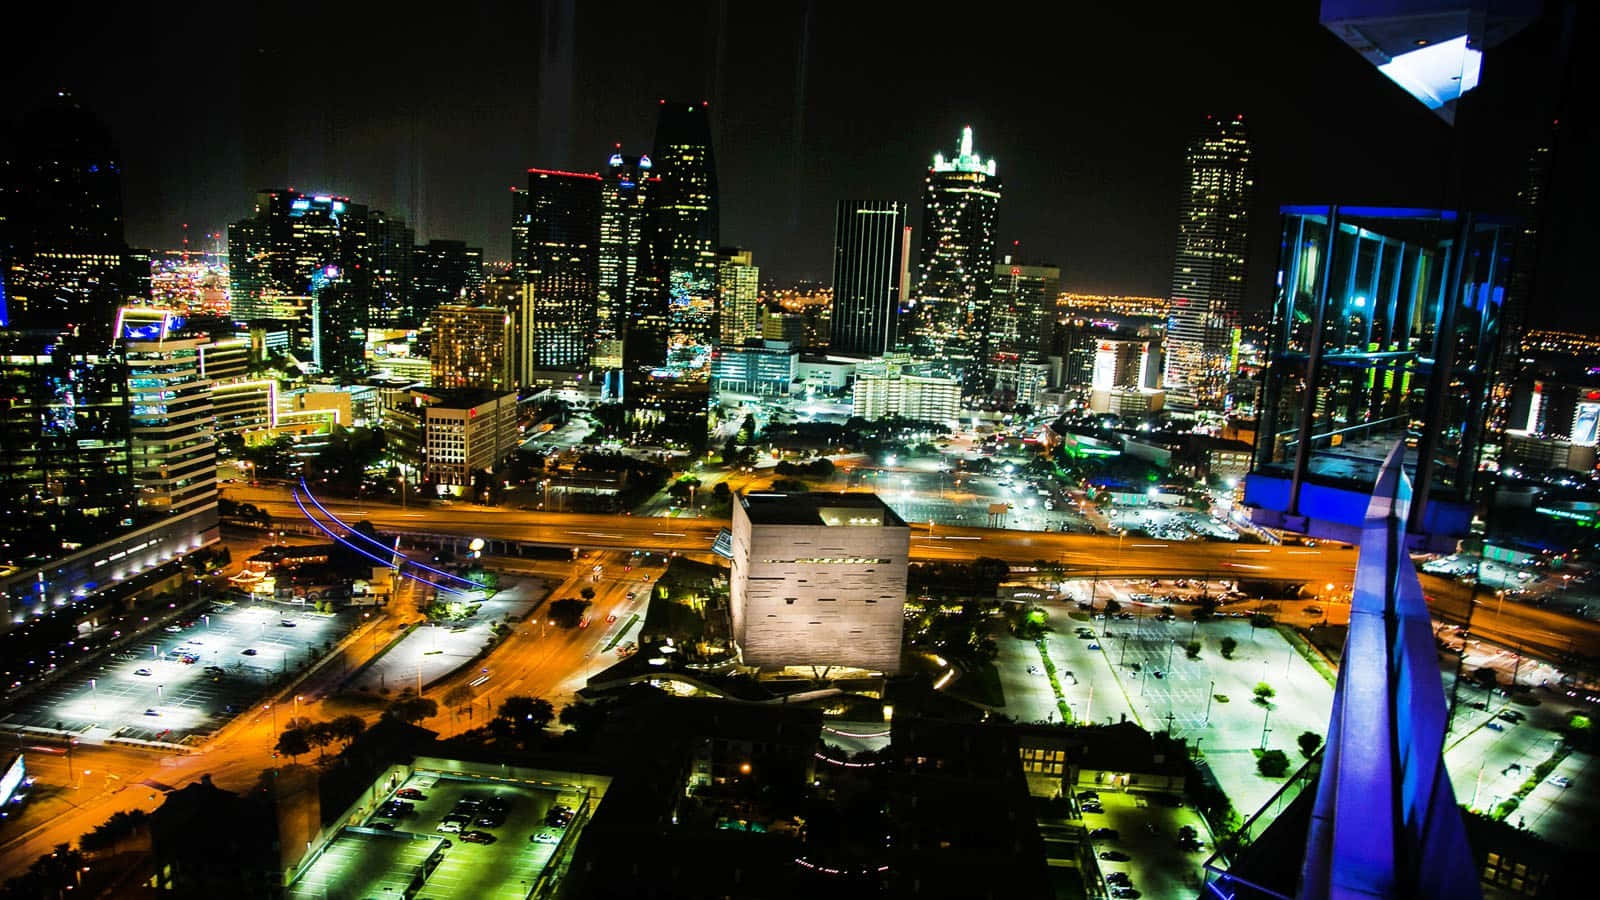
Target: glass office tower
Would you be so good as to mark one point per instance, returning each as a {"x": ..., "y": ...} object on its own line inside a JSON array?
[{"x": 1384, "y": 330}]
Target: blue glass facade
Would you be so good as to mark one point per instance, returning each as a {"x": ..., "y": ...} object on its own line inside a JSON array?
[{"x": 1384, "y": 329}]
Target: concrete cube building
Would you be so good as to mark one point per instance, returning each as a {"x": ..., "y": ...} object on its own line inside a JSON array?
[{"x": 819, "y": 579}]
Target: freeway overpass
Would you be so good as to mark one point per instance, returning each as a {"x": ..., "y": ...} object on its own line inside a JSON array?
[
  {"x": 1531, "y": 629},
  {"x": 1085, "y": 555}
]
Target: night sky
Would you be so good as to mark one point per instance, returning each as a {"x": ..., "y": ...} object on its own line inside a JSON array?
[{"x": 433, "y": 112}]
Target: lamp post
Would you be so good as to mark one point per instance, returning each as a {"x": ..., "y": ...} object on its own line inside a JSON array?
[
  {"x": 1211, "y": 691},
  {"x": 1264, "y": 729}
]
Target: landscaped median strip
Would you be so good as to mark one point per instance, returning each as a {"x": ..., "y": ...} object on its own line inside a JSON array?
[
  {"x": 621, "y": 632},
  {"x": 1055, "y": 683},
  {"x": 1540, "y": 773}
]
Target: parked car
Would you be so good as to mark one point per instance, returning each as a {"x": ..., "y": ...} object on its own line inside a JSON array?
[
  {"x": 1495, "y": 726},
  {"x": 545, "y": 836},
  {"x": 1561, "y": 781},
  {"x": 1114, "y": 856},
  {"x": 382, "y": 826},
  {"x": 477, "y": 837},
  {"x": 1125, "y": 893},
  {"x": 411, "y": 794},
  {"x": 145, "y": 672},
  {"x": 1121, "y": 879},
  {"x": 453, "y": 823},
  {"x": 1104, "y": 834},
  {"x": 248, "y": 651}
]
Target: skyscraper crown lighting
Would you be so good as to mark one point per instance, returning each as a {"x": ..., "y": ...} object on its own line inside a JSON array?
[{"x": 965, "y": 160}]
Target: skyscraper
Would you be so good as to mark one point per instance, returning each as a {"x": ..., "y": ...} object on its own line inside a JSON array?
[
  {"x": 961, "y": 208},
  {"x": 738, "y": 287},
  {"x": 172, "y": 422},
  {"x": 563, "y": 265},
  {"x": 66, "y": 468},
  {"x": 685, "y": 230},
  {"x": 387, "y": 250},
  {"x": 871, "y": 252},
  {"x": 69, "y": 265},
  {"x": 1208, "y": 274},
  {"x": 519, "y": 229},
  {"x": 472, "y": 348},
  {"x": 667, "y": 348},
  {"x": 444, "y": 272},
  {"x": 624, "y": 196}
]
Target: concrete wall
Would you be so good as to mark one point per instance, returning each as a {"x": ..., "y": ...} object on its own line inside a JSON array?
[{"x": 790, "y": 608}]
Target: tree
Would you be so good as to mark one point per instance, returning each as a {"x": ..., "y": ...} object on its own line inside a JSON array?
[
  {"x": 320, "y": 735},
  {"x": 568, "y": 611},
  {"x": 459, "y": 697},
  {"x": 1264, "y": 692},
  {"x": 1273, "y": 763},
  {"x": 1486, "y": 677},
  {"x": 347, "y": 728},
  {"x": 1309, "y": 741},
  {"x": 411, "y": 709},
  {"x": 292, "y": 743},
  {"x": 587, "y": 593},
  {"x": 1228, "y": 646},
  {"x": 1192, "y": 648},
  {"x": 523, "y": 719},
  {"x": 1112, "y": 606},
  {"x": 721, "y": 492}
]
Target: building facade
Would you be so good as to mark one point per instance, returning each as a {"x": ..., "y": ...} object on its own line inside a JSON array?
[
  {"x": 950, "y": 319},
  {"x": 172, "y": 422},
  {"x": 766, "y": 368},
  {"x": 871, "y": 255},
  {"x": 738, "y": 288},
  {"x": 1208, "y": 274},
  {"x": 1021, "y": 320},
  {"x": 818, "y": 580},
  {"x": 472, "y": 348},
  {"x": 563, "y": 265},
  {"x": 624, "y": 252},
  {"x": 464, "y": 434}
]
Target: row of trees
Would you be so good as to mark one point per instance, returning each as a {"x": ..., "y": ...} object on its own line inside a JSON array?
[{"x": 303, "y": 734}]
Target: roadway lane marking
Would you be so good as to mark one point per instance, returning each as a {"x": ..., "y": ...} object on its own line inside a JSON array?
[
  {"x": 668, "y": 533},
  {"x": 1304, "y": 552},
  {"x": 596, "y": 534},
  {"x": 1151, "y": 546},
  {"x": 959, "y": 538},
  {"x": 1246, "y": 550}
]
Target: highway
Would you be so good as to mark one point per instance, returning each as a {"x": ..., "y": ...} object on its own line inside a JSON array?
[{"x": 1082, "y": 554}]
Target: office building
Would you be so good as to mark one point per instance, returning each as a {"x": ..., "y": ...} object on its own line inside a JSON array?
[
  {"x": 898, "y": 388},
  {"x": 626, "y": 285},
  {"x": 63, "y": 261},
  {"x": 472, "y": 348},
  {"x": 784, "y": 326},
  {"x": 387, "y": 245},
  {"x": 1208, "y": 274},
  {"x": 1021, "y": 320},
  {"x": 290, "y": 239},
  {"x": 818, "y": 580},
  {"x": 563, "y": 265},
  {"x": 950, "y": 315},
  {"x": 443, "y": 272},
  {"x": 172, "y": 423},
  {"x": 1398, "y": 349},
  {"x": 514, "y": 294},
  {"x": 764, "y": 368},
  {"x": 66, "y": 457},
  {"x": 685, "y": 219},
  {"x": 519, "y": 231},
  {"x": 871, "y": 276},
  {"x": 738, "y": 286},
  {"x": 465, "y": 433}
]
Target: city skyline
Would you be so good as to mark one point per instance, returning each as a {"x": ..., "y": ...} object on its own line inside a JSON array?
[{"x": 1095, "y": 185}]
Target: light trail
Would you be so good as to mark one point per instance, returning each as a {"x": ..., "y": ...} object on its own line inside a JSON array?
[
  {"x": 426, "y": 568},
  {"x": 386, "y": 563}
]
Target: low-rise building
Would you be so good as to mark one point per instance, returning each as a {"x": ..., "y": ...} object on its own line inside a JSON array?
[{"x": 762, "y": 367}]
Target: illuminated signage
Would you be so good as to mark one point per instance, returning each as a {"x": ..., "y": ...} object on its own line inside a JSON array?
[{"x": 300, "y": 204}]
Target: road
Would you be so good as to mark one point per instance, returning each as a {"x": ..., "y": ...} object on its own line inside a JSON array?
[{"x": 1081, "y": 553}]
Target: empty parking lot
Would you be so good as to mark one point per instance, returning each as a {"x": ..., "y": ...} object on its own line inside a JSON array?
[{"x": 189, "y": 679}]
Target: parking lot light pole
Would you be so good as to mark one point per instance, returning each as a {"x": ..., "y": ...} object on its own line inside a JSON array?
[
  {"x": 1264, "y": 729},
  {"x": 1211, "y": 691}
]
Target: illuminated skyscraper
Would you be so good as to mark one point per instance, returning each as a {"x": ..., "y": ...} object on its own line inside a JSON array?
[
  {"x": 624, "y": 195},
  {"x": 563, "y": 265},
  {"x": 1022, "y": 315},
  {"x": 871, "y": 252},
  {"x": 961, "y": 208},
  {"x": 738, "y": 285},
  {"x": 473, "y": 348},
  {"x": 1208, "y": 274},
  {"x": 685, "y": 230},
  {"x": 387, "y": 250},
  {"x": 66, "y": 467},
  {"x": 172, "y": 422}
]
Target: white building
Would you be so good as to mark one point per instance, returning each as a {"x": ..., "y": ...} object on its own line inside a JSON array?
[
  {"x": 818, "y": 580},
  {"x": 885, "y": 388},
  {"x": 173, "y": 426}
]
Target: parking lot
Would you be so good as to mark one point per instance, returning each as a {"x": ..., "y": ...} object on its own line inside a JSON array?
[
  {"x": 360, "y": 864},
  {"x": 507, "y": 867},
  {"x": 1147, "y": 833},
  {"x": 189, "y": 679},
  {"x": 1172, "y": 524}
]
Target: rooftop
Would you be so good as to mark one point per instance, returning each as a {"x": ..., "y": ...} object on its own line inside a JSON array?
[{"x": 836, "y": 510}]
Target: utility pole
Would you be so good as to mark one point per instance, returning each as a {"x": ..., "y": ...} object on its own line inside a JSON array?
[
  {"x": 1264, "y": 729},
  {"x": 1210, "y": 692}
]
